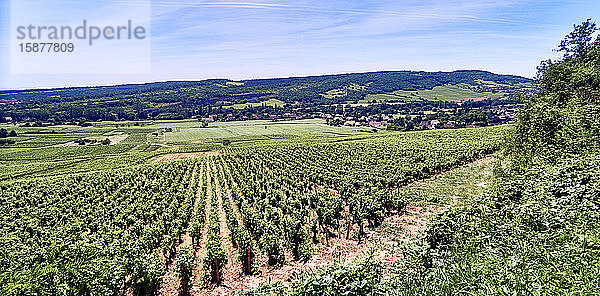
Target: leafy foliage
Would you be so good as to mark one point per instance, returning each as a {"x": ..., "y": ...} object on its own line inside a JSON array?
[
  {"x": 563, "y": 117},
  {"x": 92, "y": 233},
  {"x": 185, "y": 267},
  {"x": 364, "y": 278}
]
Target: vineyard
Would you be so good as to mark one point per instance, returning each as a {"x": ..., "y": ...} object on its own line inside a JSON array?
[
  {"x": 196, "y": 225},
  {"x": 369, "y": 184}
]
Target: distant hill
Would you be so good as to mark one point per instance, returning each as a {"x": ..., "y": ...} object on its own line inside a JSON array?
[{"x": 179, "y": 99}]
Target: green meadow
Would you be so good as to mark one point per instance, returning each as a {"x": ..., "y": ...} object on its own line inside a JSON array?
[{"x": 445, "y": 92}]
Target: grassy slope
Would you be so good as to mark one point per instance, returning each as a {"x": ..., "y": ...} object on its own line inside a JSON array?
[
  {"x": 456, "y": 187},
  {"x": 446, "y": 92}
]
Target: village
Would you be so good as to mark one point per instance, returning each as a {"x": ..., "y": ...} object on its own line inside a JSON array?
[{"x": 458, "y": 116}]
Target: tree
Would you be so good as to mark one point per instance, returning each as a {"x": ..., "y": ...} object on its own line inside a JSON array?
[
  {"x": 578, "y": 44},
  {"x": 12, "y": 134},
  {"x": 3, "y": 133},
  {"x": 577, "y": 71},
  {"x": 564, "y": 116},
  {"x": 5, "y": 141}
]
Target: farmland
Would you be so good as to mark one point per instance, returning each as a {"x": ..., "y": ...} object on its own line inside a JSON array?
[
  {"x": 445, "y": 92},
  {"x": 527, "y": 225},
  {"x": 210, "y": 222},
  {"x": 299, "y": 148},
  {"x": 249, "y": 99},
  {"x": 44, "y": 151},
  {"x": 254, "y": 130},
  {"x": 175, "y": 191}
]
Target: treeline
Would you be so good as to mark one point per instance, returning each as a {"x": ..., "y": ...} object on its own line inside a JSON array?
[
  {"x": 375, "y": 83},
  {"x": 409, "y": 116},
  {"x": 4, "y": 134},
  {"x": 428, "y": 110}
]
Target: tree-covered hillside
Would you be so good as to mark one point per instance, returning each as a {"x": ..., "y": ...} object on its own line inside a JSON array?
[{"x": 186, "y": 99}]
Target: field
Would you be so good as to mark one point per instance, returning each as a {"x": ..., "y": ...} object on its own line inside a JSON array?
[
  {"x": 445, "y": 92},
  {"x": 45, "y": 151},
  {"x": 40, "y": 137},
  {"x": 199, "y": 216},
  {"x": 259, "y": 130}
]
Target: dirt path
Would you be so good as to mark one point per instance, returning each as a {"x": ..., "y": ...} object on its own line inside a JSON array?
[
  {"x": 234, "y": 207},
  {"x": 116, "y": 139},
  {"x": 232, "y": 270},
  {"x": 180, "y": 156},
  {"x": 198, "y": 274},
  {"x": 170, "y": 282},
  {"x": 387, "y": 240}
]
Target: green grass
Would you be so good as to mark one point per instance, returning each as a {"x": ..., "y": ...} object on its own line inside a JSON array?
[
  {"x": 36, "y": 137},
  {"x": 446, "y": 92},
  {"x": 456, "y": 187},
  {"x": 259, "y": 130},
  {"x": 397, "y": 96},
  {"x": 453, "y": 92},
  {"x": 34, "y": 153},
  {"x": 184, "y": 132}
]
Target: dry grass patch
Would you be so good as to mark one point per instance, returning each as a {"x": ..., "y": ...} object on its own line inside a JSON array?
[{"x": 181, "y": 156}]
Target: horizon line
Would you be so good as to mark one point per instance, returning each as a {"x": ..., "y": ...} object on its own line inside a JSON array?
[{"x": 247, "y": 79}]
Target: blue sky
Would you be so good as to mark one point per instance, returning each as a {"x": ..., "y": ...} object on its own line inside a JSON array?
[{"x": 253, "y": 39}]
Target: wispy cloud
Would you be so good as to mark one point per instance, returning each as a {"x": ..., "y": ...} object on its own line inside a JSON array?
[
  {"x": 264, "y": 38},
  {"x": 321, "y": 9}
]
